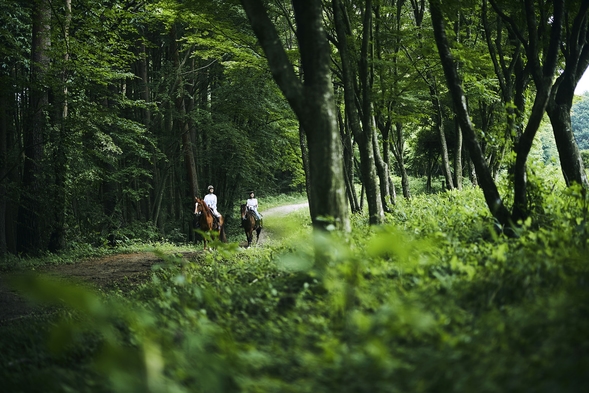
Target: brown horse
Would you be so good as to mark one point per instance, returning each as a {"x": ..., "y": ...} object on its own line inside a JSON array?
[
  {"x": 207, "y": 223},
  {"x": 248, "y": 222}
]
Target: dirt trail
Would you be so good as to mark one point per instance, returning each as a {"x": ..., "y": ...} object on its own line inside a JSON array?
[
  {"x": 104, "y": 272},
  {"x": 278, "y": 211}
]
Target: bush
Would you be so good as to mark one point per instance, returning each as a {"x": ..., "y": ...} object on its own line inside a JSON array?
[{"x": 433, "y": 301}]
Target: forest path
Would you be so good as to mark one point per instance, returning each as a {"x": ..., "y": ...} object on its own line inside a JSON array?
[
  {"x": 106, "y": 272},
  {"x": 267, "y": 232}
]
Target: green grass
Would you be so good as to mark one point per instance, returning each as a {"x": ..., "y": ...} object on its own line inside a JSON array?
[{"x": 433, "y": 301}]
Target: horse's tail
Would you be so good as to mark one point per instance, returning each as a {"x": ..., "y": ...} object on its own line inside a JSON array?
[{"x": 222, "y": 235}]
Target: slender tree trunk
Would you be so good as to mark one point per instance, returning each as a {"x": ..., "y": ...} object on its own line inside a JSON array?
[
  {"x": 360, "y": 125},
  {"x": 148, "y": 204},
  {"x": 458, "y": 158},
  {"x": 472, "y": 174},
  {"x": 400, "y": 157},
  {"x": 386, "y": 157},
  {"x": 4, "y": 102},
  {"x": 180, "y": 103},
  {"x": 543, "y": 79},
  {"x": 375, "y": 206},
  {"x": 382, "y": 170},
  {"x": 379, "y": 113},
  {"x": 57, "y": 237},
  {"x": 348, "y": 156},
  {"x": 492, "y": 197},
  {"x": 305, "y": 158},
  {"x": 439, "y": 124},
  {"x": 29, "y": 234}
]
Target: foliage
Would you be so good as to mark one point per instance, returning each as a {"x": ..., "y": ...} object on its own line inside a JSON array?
[
  {"x": 580, "y": 121},
  {"x": 433, "y": 301},
  {"x": 115, "y": 159}
]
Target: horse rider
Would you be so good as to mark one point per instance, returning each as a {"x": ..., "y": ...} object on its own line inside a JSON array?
[
  {"x": 211, "y": 201},
  {"x": 252, "y": 205}
]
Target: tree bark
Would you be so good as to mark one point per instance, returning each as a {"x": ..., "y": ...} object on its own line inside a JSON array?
[
  {"x": 180, "y": 103},
  {"x": 4, "y": 103},
  {"x": 560, "y": 102},
  {"x": 360, "y": 124},
  {"x": 492, "y": 197},
  {"x": 439, "y": 124},
  {"x": 29, "y": 232},
  {"x": 382, "y": 169},
  {"x": 382, "y": 111},
  {"x": 60, "y": 142},
  {"x": 571, "y": 161},
  {"x": 312, "y": 102},
  {"x": 398, "y": 151},
  {"x": 386, "y": 157},
  {"x": 348, "y": 156},
  {"x": 458, "y": 158},
  {"x": 513, "y": 79},
  {"x": 306, "y": 168},
  {"x": 543, "y": 79}
]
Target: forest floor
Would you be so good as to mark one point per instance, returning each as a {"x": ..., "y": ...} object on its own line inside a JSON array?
[{"x": 120, "y": 270}]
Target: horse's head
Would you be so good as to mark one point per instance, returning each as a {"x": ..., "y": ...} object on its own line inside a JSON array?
[
  {"x": 243, "y": 211},
  {"x": 201, "y": 206}
]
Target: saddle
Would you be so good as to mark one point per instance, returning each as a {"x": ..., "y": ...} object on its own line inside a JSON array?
[{"x": 215, "y": 222}]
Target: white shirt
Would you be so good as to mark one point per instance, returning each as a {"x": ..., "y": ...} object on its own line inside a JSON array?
[
  {"x": 252, "y": 203},
  {"x": 211, "y": 201}
]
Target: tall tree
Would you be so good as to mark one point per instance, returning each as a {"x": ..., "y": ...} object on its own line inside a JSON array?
[
  {"x": 312, "y": 101},
  {"x": 391, "y": 108},
  {"x": 506, "y": 53},
  {"x": 30, "y": 216},
  {"x": 359, "y": 115},
  {"x": 492, "y": 197},
  {"x": 59, "y": 141},
  {"x": 180, "y": 104},
  {"x": 543, "y": 75},
  {"x": 575, "y": 50}
]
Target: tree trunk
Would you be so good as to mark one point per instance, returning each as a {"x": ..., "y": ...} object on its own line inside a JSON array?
[
  {"x": 513, "y": 79},
  {"x": 57, "y": 237},
  {"x": 386, "y": 157},
  {"x": 4, "y": 103},
  {"x": 348, "y": 148},
  {"x": 400, "y": 157},
  {"x": 361, "y": 125},
  {"x": 492, "y": 197},
  {"x": 312, "y": 102},
  {"x": 458, "y": 158},
  {"x": 472, "y": 174},
  {"x": 560, "y": 102},
  {"x": 29, "y": 233},
  {"x": 375, "y": 206},
  {"x": 439, "y": 124},
  {"x": 180, "y": 103},
  {"x": 571, "y": 162},
  {"x": 382, "y": 170},
  {"x": 543, "y": 79},
  {"x": 305, "y": 158},
  {"x": 384, "y": 126}
]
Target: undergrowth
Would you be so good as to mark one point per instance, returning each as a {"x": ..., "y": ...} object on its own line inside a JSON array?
[{"x": 435, "y": 300}]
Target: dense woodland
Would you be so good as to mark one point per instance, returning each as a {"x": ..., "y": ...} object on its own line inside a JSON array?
[
  {"x": 116, "y": 113},
  {"x": 439, "y": 144}
]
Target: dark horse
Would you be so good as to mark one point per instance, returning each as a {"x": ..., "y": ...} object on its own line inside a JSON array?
[
  {"x": 248, "y": 222},
  {"x": 206, "y": 223}
]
